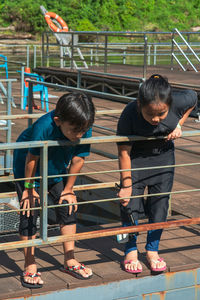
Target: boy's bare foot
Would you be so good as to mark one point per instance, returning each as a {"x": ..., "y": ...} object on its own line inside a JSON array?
[
  {"x": 76, "y": 269},
  {"x": 31, "y": 278}
]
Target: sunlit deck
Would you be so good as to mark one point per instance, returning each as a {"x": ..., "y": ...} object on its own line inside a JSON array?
[{"x": 179, "y": 247}]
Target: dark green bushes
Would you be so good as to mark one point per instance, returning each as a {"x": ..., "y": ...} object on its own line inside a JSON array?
[{"x": 111, "y": 15}]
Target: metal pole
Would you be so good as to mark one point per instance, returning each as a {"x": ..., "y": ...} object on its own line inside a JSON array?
[
  {"x": 30, "y": 102},
  {"x": 43, "y": 191},
  {"x": 47, "y": 50},
  {"x": 35, "y": 56},
  {"x": 145, "y": 57},
  {"x": 149, "y": 55},
  {"x": 154, "y": 55},
  {"x": 27, "y": 56},
  {"x": 172, "y": 51},
  {"x": 72, "y": 52},
  {"x": 106, "y": 54},
  {"x": 22, "y": 87},
  {"x": 42, "y": 50},
  {"x": 124, "y": 57},
  {"x": 79, "y": 79},
  {"x": 8, "y": 133},
  {"x": 91, "y": 57}
]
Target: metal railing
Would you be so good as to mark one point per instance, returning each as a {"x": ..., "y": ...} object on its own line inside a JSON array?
[
  {"x": 174, "y": 56},
  {"x": 44, "y": 145},
  {"x": 125, "y": 52},
  {"x": 22, "y": 66},
  {"x": 8, "y": 127},
  {"x": 102, "y": 49}
]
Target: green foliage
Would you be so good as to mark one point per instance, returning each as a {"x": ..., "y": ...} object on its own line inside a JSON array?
[{"x": 111, "y": 15}]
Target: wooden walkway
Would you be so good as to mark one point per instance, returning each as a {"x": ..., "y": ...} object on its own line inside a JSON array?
[{"x": 179, "y": 247}]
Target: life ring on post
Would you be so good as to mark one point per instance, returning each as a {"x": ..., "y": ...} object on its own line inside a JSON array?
[{"x": 53, "y": 27}]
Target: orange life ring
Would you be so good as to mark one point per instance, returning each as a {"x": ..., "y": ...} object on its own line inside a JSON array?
[{"x": 53, "y": 27}]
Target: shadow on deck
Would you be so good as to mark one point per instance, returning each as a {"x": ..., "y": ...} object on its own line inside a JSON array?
[{"x": 179, "y": 247}]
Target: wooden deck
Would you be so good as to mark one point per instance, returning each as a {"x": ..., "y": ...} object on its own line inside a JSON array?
[{"x": 179, "y": 247}]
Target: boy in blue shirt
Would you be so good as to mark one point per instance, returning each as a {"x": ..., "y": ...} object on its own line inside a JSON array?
[{"x": 72, "y": 119}]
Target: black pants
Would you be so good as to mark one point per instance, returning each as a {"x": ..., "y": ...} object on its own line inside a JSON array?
[{"x": 60, "y": 215}]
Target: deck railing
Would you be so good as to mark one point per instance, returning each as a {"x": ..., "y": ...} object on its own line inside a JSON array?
[
  {"x": 184, "y": 54},
  {"x": 102, "y": 50},
  {"x": 44, "y": 145}
]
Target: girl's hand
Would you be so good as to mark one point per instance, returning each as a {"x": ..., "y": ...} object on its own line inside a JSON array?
[
  {"x": 70, "y": 197},
  {"x": 175, "y": 134},
  {"x": 27, "y": 201},
  {"x": 125, "y": 192}
]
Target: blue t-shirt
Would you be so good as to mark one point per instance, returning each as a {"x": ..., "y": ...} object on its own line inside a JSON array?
[{"x": 59, "y": 157}]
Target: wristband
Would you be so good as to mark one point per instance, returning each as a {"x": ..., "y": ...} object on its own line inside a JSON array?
[
  {"x": 126, "y": 187},
  {"x": 122, "y": 187},
  {"x": 29, "y": 185},
  {"x": 178, "y": 125}
]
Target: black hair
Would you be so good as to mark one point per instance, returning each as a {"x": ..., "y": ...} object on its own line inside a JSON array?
[
  {"x": 77, "y": 109},
  {"x": 155, "y": 89}
]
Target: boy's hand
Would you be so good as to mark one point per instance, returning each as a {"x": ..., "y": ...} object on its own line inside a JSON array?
[
  {"x": 70, "y": 197},
  {"x": 125, "y": 192},
  {"x": 28, "y": 199}
]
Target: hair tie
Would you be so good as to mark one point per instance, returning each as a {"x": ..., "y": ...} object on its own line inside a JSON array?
[{"x": 156, "y": 76}]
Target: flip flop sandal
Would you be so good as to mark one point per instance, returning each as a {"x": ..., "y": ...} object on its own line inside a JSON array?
[
  {"x": 28, "y": 284},
  {"x": 155, "y": 262},
  {"x": 135, "y": 263},
  {"x": 73, "y": 271}
]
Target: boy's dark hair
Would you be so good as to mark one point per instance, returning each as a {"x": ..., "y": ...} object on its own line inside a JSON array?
[
  {"x": 154, "y": 89},
  {"x": 77, "y": 109}
]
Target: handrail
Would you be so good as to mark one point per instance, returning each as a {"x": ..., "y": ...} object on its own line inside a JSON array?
[
  {"x": 182, "y": 52},
  {"x": 44, "y": 147},
  {"x": 98, "y": 234}
]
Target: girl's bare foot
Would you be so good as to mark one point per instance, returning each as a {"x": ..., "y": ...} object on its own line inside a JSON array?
[
  {"x": 131, "y": 262},
  {"x": 156, "y": 263}
]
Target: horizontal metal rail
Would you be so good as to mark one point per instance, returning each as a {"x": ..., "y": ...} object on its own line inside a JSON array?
[
  {"x": 92, "y": 140},
  {"x": 38, "y": 115},
  {"x": 99, "y": 233},
  {"x": 105, "y": 200},
  {"x": 99, "y": 172}
]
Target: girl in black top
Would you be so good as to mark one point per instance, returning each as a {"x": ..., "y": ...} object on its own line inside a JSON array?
[{"x": 157, "y": 112}]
